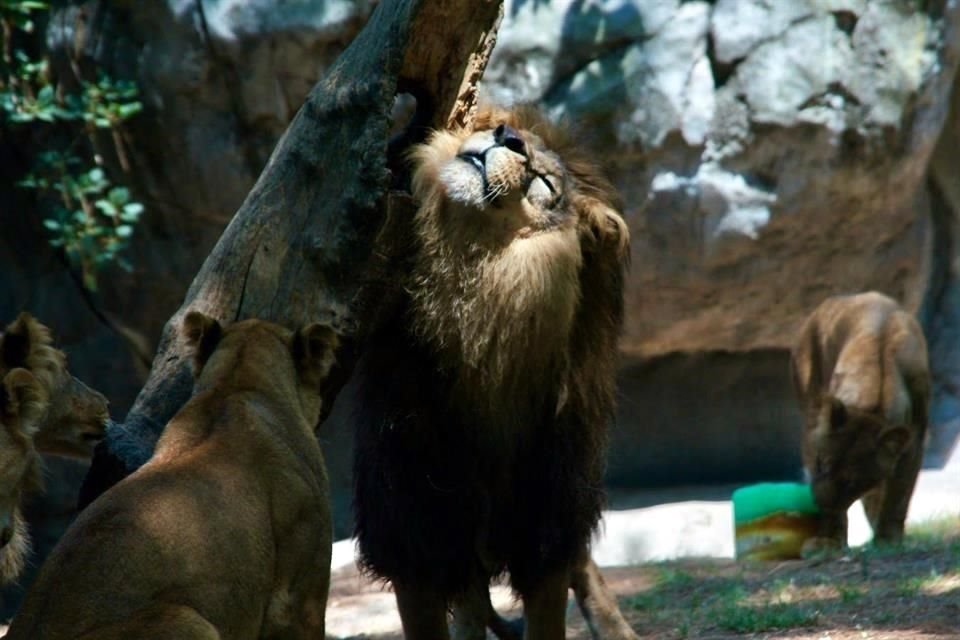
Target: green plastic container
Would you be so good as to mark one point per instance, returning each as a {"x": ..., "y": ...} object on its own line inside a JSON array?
[{"x": 772, "y": 520}]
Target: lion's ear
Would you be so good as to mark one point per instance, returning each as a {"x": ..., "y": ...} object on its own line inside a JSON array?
[
  {"x": 603, "y": 226},
  {"x": 16, "y": 342},
  {"x": 203, "y": 334},
  {"x": 314, "y": 349},
  {"x": 24, "y": 399}
]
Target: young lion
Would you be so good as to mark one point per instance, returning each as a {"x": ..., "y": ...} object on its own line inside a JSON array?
[
  {"x": 226, "y": 531},
  {"x": 861, "y": 374},
  {"x": 481, "y": 431},
  {"x": 22, "y": 404},
  {"x": 77, "y": 415}
]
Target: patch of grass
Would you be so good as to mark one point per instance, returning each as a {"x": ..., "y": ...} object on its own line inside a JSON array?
[
  {"x": 910, "y": 587},
  {"x": 669, "y": 578},
  {"x": 849, "y": 594},
  {"x": 772, "y": 616},
  {"x": 938, "y": 533},
  {"x": 937, "y": 530},
  {"x": 870, "y": 590}
]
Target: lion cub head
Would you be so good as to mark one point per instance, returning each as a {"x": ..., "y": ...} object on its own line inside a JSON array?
[
  {"x": 257, "y": 351},
  {"x": 77, "y": 415},
  {"x": 508, "y": 213},
  {"x": 850, "y": 452},
  {"x": 23, "y": 402}
]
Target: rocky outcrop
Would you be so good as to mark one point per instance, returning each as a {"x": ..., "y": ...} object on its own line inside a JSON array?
[{"x": 771, "y": 153}]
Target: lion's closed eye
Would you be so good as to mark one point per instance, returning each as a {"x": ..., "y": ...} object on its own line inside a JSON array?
[{"x": 543, "y": 191}]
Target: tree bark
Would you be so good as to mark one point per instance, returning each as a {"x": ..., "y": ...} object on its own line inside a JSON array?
[{"x": 315, "y": 238}]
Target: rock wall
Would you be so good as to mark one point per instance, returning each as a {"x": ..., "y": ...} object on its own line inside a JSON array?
[{"x": 770, "y": 154}]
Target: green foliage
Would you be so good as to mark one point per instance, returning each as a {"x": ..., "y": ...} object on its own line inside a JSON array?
[
  {"x": 18, "y": 13},
  {"x": 88, "y": 217},
  {"x": 737, "y": 615}
]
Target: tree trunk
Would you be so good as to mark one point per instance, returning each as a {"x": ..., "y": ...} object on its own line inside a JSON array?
[{"x": 315, "y": 237}]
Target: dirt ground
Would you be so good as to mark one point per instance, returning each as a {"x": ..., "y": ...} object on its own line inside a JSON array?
[{"x": 911, "y": 593}]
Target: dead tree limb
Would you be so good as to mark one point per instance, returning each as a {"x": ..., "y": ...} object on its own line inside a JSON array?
[{"x": 316, "y": 234}]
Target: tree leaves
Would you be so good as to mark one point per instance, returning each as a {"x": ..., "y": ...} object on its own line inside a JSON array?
[{"x": 87, "y": 217}]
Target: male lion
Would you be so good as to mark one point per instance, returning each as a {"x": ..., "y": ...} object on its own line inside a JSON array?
[
  {"x": 22, "y": 403},
  {"x": 77, "y": 415},
  {"x": 861, "y": 374},
  {"x": 226, "y": 531},
  {"x": 481, "y": 431}
]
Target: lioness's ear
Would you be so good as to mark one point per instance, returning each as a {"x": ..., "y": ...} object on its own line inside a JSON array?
[
  {"x": 15, "y": 344},
  {"x": 23, "y": 398},
  {"x": 203, "y": 333},
  {"x": 838, "y": 413},
  {"x": 894, "y": 440},
  {"x": 314, "y": 348}
]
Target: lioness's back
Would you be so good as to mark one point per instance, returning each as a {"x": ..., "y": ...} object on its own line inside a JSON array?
[
  {"x": 210, "y": 538},
  {"x": 846, "y": 338}
]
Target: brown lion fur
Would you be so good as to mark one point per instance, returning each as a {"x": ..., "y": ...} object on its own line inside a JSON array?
[
  {"x": 481, "y": 428},
  {"x": 226, "y": 531},
  {"x": 77, "y": 415},
  {"x": 23, "y": 402},
  {"x": 862, "y": 379}
]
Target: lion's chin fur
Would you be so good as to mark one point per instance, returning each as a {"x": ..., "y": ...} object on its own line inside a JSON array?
[{"x": 496, "y": 313}]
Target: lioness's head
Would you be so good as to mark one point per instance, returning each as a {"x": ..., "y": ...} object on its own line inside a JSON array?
[
  {"x": 257, "y": 350},
  {"x": 508, "y": 213},
  {"x": 23, "y": 402},
  {"x": 850, "y": 452},
  {"x": 77, "y": 415}
]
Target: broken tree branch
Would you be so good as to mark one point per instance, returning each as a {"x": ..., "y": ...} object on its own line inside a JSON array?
[{"x": 315, "y": 236}]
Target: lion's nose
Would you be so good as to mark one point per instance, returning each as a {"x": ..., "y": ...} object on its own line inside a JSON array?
[{"x": 510, "y": 138}]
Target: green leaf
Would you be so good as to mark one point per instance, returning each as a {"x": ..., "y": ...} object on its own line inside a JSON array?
[
  {"x": 63, "y": 114},
  {"x": 119, "y": 195},
  {"x": 52, "y": 225},
  {"x": 131, "y": 212},
  {"x": 124, "y": 231},
  {"x": 107, "y": 207},
  {"x": 127, "y": 110}
]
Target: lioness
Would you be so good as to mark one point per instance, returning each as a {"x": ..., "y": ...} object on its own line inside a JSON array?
[
  {"x": 23, "y": 402},
  {"x": 77, "y": 415},
  {"x": 226, "y": 531},
  {"x": 481, "y": 428},
  {"x": 861, "y": 375}
]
